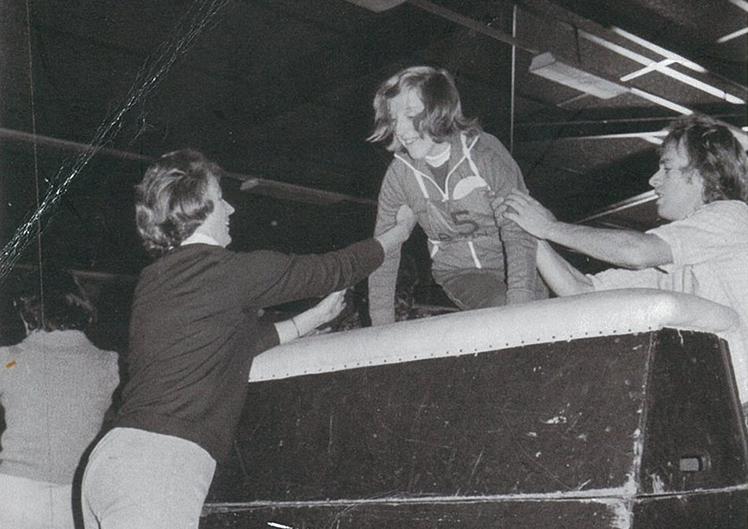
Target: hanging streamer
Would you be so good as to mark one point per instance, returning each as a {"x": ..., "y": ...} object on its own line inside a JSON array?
[{"x": 197, "y": 18}]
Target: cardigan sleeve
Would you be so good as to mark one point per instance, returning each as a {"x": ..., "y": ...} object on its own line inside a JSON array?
[{"x": 271, "y": 278}]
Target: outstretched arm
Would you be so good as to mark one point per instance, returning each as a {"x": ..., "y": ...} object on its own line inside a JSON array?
[
  {"x": 627, "y": 248},
  {"x": 382, "y": 281}
]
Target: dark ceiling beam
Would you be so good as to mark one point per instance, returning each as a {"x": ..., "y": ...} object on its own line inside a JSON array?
[
  {"x": 605, "y": 123},
  {"x": 90, "y": 275},
  {"x": 622, "y": 121},
  {"x": 297, "y": 193},
  {"x": 28, "y": 138},
  {"x": 472, "y": 24},
  {"x": 250, "y": 183}
]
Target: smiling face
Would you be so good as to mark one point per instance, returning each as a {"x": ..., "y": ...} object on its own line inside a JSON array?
[
  {"x": 404, "y": 108},
  {"x": 216, "y": 225},
  {"x": 679, "y": 190}
]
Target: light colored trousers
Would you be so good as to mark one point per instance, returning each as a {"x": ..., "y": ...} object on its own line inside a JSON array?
[
  {"x": 29, "y": 504},
  {"x": 142, "y": 480}
]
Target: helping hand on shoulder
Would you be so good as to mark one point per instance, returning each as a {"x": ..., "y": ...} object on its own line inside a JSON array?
[{"x": 527, "y": 212}]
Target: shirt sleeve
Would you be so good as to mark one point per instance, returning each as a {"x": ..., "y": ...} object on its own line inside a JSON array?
[
  {"x": 715, "y": 231},
  {"x": 520, "y": 248},
  {"x": 383, "y": 280},
  {"x": 616, "y": 278}
]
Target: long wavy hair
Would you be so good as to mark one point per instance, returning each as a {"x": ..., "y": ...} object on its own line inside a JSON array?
[{"x": 442, "y": 115}]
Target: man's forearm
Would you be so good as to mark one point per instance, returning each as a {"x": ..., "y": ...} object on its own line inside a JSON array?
[
  {"x": 561, "y": 276},
  {"x": 625, "y": 248}
]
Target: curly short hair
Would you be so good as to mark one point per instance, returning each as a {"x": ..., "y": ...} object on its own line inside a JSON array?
[
  {"x": 55, "y": 301},
  {"x": 442, "y": 115},
  {"x": 715, "y": 153},
  {"x": 170, "y": 201}
]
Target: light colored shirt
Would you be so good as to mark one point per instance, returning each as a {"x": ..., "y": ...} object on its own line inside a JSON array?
[
  {"x": 710, "y": 260},
  {"x": 55, "y": 388}
]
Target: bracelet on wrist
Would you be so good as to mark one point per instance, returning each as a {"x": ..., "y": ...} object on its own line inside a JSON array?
[{"x": 298, "y": 332}]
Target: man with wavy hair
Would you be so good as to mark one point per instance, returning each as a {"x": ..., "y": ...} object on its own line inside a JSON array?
[{"x": 702, "y": 190}]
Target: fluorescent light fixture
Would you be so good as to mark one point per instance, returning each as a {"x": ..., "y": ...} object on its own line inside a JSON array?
[
  {"x": 663, "y": 68},
  {"x": 548, "y": 66},
  {"x": 733, "y": 35}
]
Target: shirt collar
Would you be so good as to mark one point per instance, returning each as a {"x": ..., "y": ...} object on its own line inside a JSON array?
[
  {"x": 59, "y": 338},
  {"x": 199, "y": 238},
  {"x": 439, "y": 159}
]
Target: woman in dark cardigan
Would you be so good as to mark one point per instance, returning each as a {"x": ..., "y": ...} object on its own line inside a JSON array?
[{"x": 194, "y": 331}]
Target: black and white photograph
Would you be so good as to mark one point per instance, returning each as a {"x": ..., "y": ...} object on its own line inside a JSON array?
[{"x": 365, "y": 264}]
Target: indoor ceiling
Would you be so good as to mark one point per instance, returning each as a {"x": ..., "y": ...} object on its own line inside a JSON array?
[{"x": 278, "y": 92}]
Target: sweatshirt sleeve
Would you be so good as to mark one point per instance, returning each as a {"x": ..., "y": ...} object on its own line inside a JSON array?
[
  {"x": 383, "y": 281},
  {"x": 520, "y": 248},
  {"x": 272, "y": 278}
]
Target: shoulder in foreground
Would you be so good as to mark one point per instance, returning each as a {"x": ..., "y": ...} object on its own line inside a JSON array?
[{"x": 736, "y": 208}]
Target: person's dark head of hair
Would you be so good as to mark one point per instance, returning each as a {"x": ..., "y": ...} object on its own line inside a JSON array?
[
  {"x": 170, "y": 201},
  {"x": 714, "y": 153},
  {"x": 54, "y": 301},
  {"x": 442, "y": 114}
]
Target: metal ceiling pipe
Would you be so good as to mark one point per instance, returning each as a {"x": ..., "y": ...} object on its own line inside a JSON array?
[
  {"x": 74, "y": 146},
  {"x": 264, "y": 186}
]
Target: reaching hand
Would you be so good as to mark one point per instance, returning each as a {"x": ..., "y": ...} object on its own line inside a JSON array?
[
  {"x": 329, "y": 308},
  {"x": 393, "y": 238},
  {"x": 406, "y": 218},
  {"x": 527, "y": 212}
]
